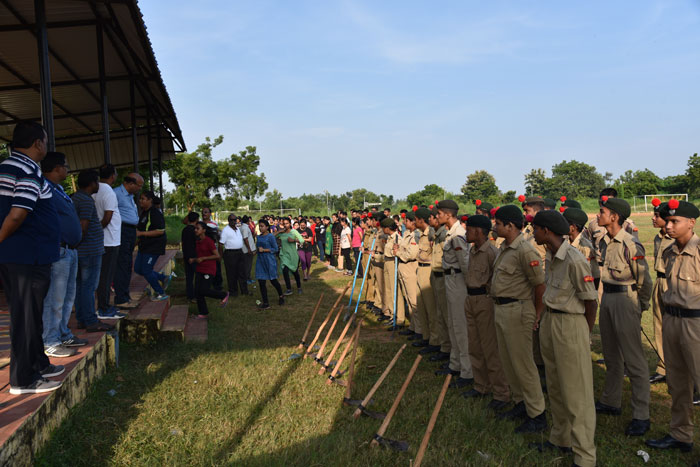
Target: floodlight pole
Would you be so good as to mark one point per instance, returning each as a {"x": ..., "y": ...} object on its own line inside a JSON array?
[{"x": 42, "y": 43}]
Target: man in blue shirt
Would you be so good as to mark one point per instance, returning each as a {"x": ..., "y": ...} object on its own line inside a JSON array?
[
  {"x": 58, "y": 339},
  {"x": 29, "y": 242},
  {"x": 133, "y": 183}
]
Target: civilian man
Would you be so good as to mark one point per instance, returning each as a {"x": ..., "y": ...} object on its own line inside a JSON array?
[{"x": 129, "y": 214}]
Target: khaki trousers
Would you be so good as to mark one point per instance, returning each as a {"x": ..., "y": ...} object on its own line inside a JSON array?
[
  {"x": 566, "y": 352},
  {"x": 514, "y": 323},
  {"x": 378, "y": 283},
  {"x": 620, "y": 324},
  {"x": 409, "y": 290},
  {"x": 389, "y": 294},
  {"x": 369, "y": 281},
  {"x": 682, "y": 350},
  {"x": 425, "y": 311},
  {"x": 657, "y": 307},
  {"x": 483, "y": 348},
  {"x": 441, "y": 318},
  {"x": 456, "y": 293}
]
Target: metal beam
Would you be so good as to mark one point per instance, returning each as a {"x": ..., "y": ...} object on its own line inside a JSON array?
[
  {"x": 160, "y": 169},
  {"x": 149, "y": 142},
  {"x": 103, "y": 91},
  {"x": 134, "y": 138},
  {"x": 42, "y": 45},
  {"x": 16, "y": 119},
  {"x": 70, "y": 82},
  {"x": 51, "y": 25}
]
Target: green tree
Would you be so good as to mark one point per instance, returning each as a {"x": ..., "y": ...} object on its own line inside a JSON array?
[
  {"x": 480, "y": 185},
  {"x": 273, "y": 200},
  {"x": 535, "y": 182},
  {"x": 692, "y": 174},
  {"x": 426, "y": 196},
  {"x": 573, "y": 179},
  {"x": 244, "y": 181},
  {"x": 640, "y": 182},
  {"x": 675, "y": 184}
]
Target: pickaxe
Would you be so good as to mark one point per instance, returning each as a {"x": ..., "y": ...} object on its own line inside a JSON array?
[
  {"x": 302, "y": 343},
  {"x": 327, "y": 363},
  {"x": 335, "y": 374},
  {"x": 325, "y": 321},
  {"x": 362, "y": 408},
  {"x": 431, "y": 423}
]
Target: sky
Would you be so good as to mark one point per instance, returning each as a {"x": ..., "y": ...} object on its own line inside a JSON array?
[{"x": 394, "y": 95}]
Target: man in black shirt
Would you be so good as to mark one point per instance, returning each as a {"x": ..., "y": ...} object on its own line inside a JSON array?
[{"x": 188, "y": 242}]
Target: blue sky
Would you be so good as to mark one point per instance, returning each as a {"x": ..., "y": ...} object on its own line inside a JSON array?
[{"x": 394, "y": 95}]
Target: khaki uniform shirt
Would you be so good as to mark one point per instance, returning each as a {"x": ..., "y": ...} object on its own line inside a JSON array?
[
  {"x": 481, "y": 261},
  {"x": 455, "y": 251},
  {"x": 438, "y": 243},
  {"x": 389, "y": 246},
  {"x": 661, "y": 242},
  {"x": 595, "y": 233},
  {"x": 624, "y": 264},
  {"x": 586, "y": 249},
  {"x": 683, "y": 275},
  {"x": 379, "y": 245},
  {"x": 517, "y": 270},
  {"x": 408, "y": 247},
  {"x": 425, "y": 247},
  {"x": 570, "y": 281},
  {"x": 367, "y": 239}
]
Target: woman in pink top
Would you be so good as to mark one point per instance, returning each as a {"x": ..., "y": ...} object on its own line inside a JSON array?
[{"x": 357, "y": 234}]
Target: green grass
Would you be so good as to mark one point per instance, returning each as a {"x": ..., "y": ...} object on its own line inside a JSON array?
[
  {"x": 232, "y": 401},
  {"x": 173, "y": 229}
]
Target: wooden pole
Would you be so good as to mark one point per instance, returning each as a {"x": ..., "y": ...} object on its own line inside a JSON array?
[
  {"x": 336, "y": 368},
  {"x": 351, "y": 372},
  {"x": 319, "y": 354},
  {"x": 327, "y": 362},
  {"x": 397, "y": 400},
  {"x": 379, "y": 382},
  {"x": 431, "y": 423},
  {"x": 308, "y": 326},
  {"x": 325, "y": 321}
]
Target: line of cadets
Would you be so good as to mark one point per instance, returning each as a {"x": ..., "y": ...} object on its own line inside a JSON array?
[{"x": 499, "y": 295}]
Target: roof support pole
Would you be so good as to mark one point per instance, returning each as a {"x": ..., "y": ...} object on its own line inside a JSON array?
[
  {"x": 160, "y": 167},
  {"x": 103, "y": 91},
  {"x": 134, "y": 136},
  {"x": 42, "y": 43},
  {"x": 150, "y": 147}
]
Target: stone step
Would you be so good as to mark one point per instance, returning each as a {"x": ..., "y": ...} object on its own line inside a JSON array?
[
  {"x": 196, "y": 330},
  {"x": 176, "y": 320}
]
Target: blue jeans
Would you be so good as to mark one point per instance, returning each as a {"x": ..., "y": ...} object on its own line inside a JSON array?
[
  {"x": 144, "y": 266},
  {"x": 122, "y": 276},
  {"x": 88, "y": 277},
  {"x": 322, "y": 251},
  {"x": 60, "y": 297}
]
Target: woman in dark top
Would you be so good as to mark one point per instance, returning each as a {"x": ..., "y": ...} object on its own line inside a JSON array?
[
  {"x": 205, "y": 262},
  {"x": 305, "y": 248},
  {"x": 150, "y": 232},
  {"x": 321, "y": 239}
]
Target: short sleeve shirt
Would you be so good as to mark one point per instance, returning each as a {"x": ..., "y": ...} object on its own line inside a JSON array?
[
  {"x": 231, "y": 239},
  {"x": 93, "y": 239},
  {"x": 205, "y": 247},
  {"x": 517, "y": 270},
  {"x": 569, "y": 281},
  {"x": 128, "y": 212},
  {"x": 152, "y": 220},
  {"x": 683, "y": 275},
  {"x": 344, "y": 241},
  {"x": 481, "y": 261},
  {"x": 106, "y": 200}
]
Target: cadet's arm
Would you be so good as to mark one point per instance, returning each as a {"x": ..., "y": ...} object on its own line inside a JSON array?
[
  {"x": 591, "y": 307},
  {"x": 539, "y": 304}
]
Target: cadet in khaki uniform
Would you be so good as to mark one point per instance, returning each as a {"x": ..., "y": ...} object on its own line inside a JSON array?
[
  {"x": 661, "y": 242},
  {"x": 367, "y": 238},
  {"x": 390, "y": 228},
  {"x": 407, "y": 251},
  {"x": 455, "y": 260},
  {"x": 378, "y": 266},
  {"x": 483, "y": 346},
  {"x": 437, "y": 282},
  {"x": 577, "y": 219},
  {"x": 681, "y": 322},
  {"x": 626, "y": 293},
  {"x": 425, "y": 303},
  {"x": 565, "y": 326},
  {"x": 517, "y": 287}
]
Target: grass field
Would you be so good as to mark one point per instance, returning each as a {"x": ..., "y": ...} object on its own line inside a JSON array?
[{"x": 233, "y": 401}]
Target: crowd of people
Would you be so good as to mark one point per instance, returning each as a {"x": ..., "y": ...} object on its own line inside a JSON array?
[{"x": 58, "y": 252}]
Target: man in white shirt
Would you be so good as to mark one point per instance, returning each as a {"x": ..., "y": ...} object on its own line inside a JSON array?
[
  {"x": 234, "y": 259},
  {"x": 108, "y": 213},
  {"x": 248, "y": 247}
]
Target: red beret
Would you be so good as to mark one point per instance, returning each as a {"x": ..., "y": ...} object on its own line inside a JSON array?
[
  {"x": 655, "y": 202},
  {"x": 673, "y": 204}
]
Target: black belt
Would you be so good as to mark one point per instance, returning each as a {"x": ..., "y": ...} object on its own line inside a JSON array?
[
  {"x": 600, "y": 263},
  {"x": 452, "y": 271},
  {"x": 661, "y": 275},
  {"x": 552, "y": 310},
  {"x": 233, "y": 249},
  {"x": 682, "y": 312},
  {"x": 438, "y": 274},
  {"x": 424, "y": 265},
  {"x": 504, "y": 300},
  {"x": 476, "y": 291},
  {"x": 131, "y": 226},
  {"x": 617, "y": 288},
  {"x": 406, "y": 262},
  {"x": 65, "y": 245}
]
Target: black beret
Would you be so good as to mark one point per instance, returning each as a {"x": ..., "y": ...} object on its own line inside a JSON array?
[
  {"x": 553, "y": 221},
  {"x": 576, "y": 216},
  {"x": 550, "y": 203},
  {"x": 571, "y": 203},
  {"x": 448, "y": 204},
  {"x": 485, "y": 206},
  {"x": 509, "y": 213},
  {"x": 478, "y": 220},
  {"x": 682, "y": 209},
  {"x": 388, "y": 222},
  {"x": 617, "y": 205},
  {"x": 434, "y": 211},
  {"x": 533, "y": 200},
  {"x": 410, "y": 216}
]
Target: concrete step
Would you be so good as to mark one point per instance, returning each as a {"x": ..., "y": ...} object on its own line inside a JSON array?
[
  {"x": 144, "y": 322},
  {"x": 196, "y": 330},
  {"x": 176, "y": 320}
]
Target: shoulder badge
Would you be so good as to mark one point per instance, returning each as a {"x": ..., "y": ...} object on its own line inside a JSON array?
[
  {"x": 534, "y": 263},
  {"x": 587, "y": 278},
  {"x": 636, "y": 258}
]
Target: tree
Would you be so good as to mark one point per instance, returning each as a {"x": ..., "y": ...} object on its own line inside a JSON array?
[
  {"x": 244, "y": 182},
  {"x": 641, "y": 182},
  {"x": 426, "y": 196},
  {"x": 573, "y": 179},
  {"x": 535, "y": 182},
  {"x": 272, "y": 201},
  {"x": 480, "y": 185},
  {"x": 692, "y": 174}
]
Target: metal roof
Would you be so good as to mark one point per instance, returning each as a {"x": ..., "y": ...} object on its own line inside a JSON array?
[{"x": 130, "y": 68}]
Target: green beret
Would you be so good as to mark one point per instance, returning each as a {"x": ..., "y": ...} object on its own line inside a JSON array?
[
  {"x": 571, "y": 203},
  {"x": 388, "y": 222},
  {"x": 478, "y": 220},
  {"x": 423, "y": 213},
  {"x": 617, "y": 205},
  {"x": 550, "y": 203},
  {"x": 553, "y": 221},
  {"x": 410, "y": 215},
  {"x": 509, "y": 213},
  {"x": 576, "y": 216},
  {"x": 682, "y": 209},
  {"x": 485, "y": 206},
  {"x": 448, "y": 204}
]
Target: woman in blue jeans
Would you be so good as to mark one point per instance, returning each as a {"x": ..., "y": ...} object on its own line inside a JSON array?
[{"x": 150, "y": 233}]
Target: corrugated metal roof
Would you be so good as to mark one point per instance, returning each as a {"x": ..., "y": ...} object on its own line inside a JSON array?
[{"x": 73, "y": 57}]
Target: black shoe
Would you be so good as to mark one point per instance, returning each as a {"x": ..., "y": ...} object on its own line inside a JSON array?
[
  {"x": 444, "y": 366},
  {"x": 518, "y": 411},
  {"x": 547, "y": 446},
  {"x": 460, "y": 382},
  {"x": 281, "y": 301},
  {"x": 497, "y": 405},
  {"x": 397, "y": 327},
  {"x": 533, "y": 425},
  {"x": 669, "y": 442},
  {"x": 473, "y": 394},
  {"x": 423, "y": 343},
  {"x": 607, "y": 409},
  {"x": 52, "y": 370},
  {"x": 657, "y": 378},
  {"x": 440, "y": 357},
  {"x": 383, "y": 318},
  {"x": 406, "y": 332},
  {"x": 637, "y": 427},
  {"x": 263, "y": 306},
  {"x": 446, "y": 371},
  {"x": 376, "y": 309},
  {"x": 429, "y": 349},
  {"x": 696, "y": 398},
  {"x": 415, "y": 337}
]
